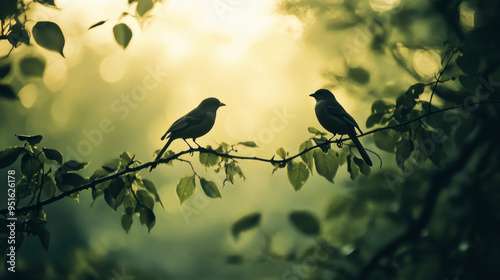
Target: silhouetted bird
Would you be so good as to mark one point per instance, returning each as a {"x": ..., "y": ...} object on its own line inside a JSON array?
[
  {"x": 194, "y": 124},
  {"x": 332, "y": 116}
]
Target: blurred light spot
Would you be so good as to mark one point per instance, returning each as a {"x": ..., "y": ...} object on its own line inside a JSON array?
[
  {"x": 467, "y": 14},
  {"x": 112, "y": 68},
  {"x": 178, "y": 45},
  {"x": 384, "y": 5},
  {"x": 28, "y": 95},
  {"x": 290, "y": 27},
  {"x": 240, "y": 123},
  {"x": 347, "y": 249},
  {"x": 61, "y": 111},
  {"x": 427, "y": 63},
  {"x": 463, "y": 246},
  {"x": 55, "y": 74}
]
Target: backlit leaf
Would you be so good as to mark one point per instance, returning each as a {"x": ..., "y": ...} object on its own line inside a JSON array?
[
  {"x": 123, "y": 34},
  {"x": 186, "y": 188},
  {"x": 49, "y": 36}
]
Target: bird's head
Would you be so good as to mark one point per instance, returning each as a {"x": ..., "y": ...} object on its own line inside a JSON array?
[
  {"x": 322, "y": 94},
  {"x": 211, "y": 103}
]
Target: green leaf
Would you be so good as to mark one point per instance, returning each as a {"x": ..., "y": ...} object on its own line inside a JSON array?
[
  {"x": 305, "y": 222},
  {"x": 22, "y": 188},
  {"x": 44, "y": 236},
  {"x": 386, "y": 140},
  {"x": 73, "y": 165},
  {"x": 97, "y": 24},
  {"x": 382, "y": 106},
  {"x": 225, "y": 147},
  {"x": 186, "y": 188},
  {"x": 246, "y": 223},
  {"x": 125, "y": 159},
  {"x": 31, "y": 139},
  {"x": 115, "y": 193},
  {"x": 209, "y": 188},
  {"x": 297, "y": 174},
  {"x": 359, "y": 75},
  {"x": 68, "y": 181},
  {"x": 30, "y": 166},
  {"x": 208, "y": 159},
  {"x": 49, "y": 186},
  {"x": 326, "y": 164},
  {"x": 116, "y": 186},
  {"x": 404, "y": 148},
  {"x": 150, "y": 186},
  {"x": 281, "y": 153},
  {"x": 53, "y": 155},
  {"x": 352, "y": 167},
  {"x": 416, "y": 90},
  {"x": 46, "y": 2},
  {"x": 314, "y": 131},
  {"x": 111, "y": 165},
  {"x": 7, "y": 92},
  {"x": 147, "y": 217},
  {"x": 363, "y": 167},
  {"x": 233, "y": 169},
  {"x": 32, "y": 66},
  {"x": 5, "y": 70},
  {"x": 49, "y": 36},
  {"x": 375, "y": 118},
  {"x": 406, "y": 101},
  {"x": 307, "y": 157},
  {"x": 250, "y": 144},
  {"x": 123, "y": 34},
  {"x": 9, "y": 156},
  {"x": 98, "y": 173},
  {"x": 127, "y": 221},
  {"x": 143, "y": 6},
  {"x": 18, "y": 34}
]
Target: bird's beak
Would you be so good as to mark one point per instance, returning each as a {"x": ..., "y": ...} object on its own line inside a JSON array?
[
  {"x": 221, "y": 104},
  {"x": 312, "y": 94}
]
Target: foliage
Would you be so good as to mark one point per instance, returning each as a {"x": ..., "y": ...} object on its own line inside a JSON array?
[{"x": 49, "y": 36}]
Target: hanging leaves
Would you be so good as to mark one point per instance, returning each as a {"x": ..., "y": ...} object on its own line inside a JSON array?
[
  {"x": 122, "y": 34},
  {"x": 48, "y": 35}
]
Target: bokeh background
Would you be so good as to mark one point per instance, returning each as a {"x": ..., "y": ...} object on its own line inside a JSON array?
[{"x": 262, "y": 59}]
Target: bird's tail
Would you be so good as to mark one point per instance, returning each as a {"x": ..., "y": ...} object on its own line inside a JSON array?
[
  {"x": 360, "y": 148},
  {"x": 161, "y": 153}
]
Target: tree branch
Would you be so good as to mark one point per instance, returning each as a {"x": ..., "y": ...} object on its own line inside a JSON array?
[
  {"x": 438, "y": 183},
  {"x": 224, "y": 155}
]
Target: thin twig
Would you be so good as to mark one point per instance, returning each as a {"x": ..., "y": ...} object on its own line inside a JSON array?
[{"x": 438, "y": 80}]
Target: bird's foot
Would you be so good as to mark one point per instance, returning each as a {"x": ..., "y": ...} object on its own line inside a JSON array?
[
  {"x": 190, "y": 148},
  {"x": 340, "y": 144}
]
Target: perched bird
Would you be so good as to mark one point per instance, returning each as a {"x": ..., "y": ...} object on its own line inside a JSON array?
[
  {"x": 332, "y": 116},
  {"x": 194, "y": 124}
]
